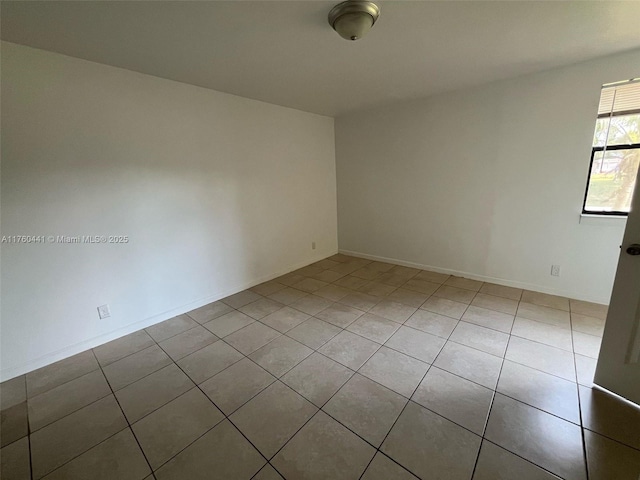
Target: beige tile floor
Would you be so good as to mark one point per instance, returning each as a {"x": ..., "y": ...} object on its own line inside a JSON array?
[{"x": 345, "y": 369}]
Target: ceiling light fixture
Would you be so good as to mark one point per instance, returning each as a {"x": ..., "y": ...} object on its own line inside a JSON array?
[{"x": 354, "y": 18}]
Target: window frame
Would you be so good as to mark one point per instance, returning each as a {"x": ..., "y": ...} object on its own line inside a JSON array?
[{"x": 603, "y": 148}]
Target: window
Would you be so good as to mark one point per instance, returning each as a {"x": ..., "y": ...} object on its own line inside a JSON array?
[{"x": 615, "y": 154}]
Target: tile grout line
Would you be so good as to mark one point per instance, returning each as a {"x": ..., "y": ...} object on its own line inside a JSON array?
[
  {"x": 522, "y": 458},
  {"x": 493, "y": 398},
  {"x": 276, "y": 378},
  {"x": 525, "y": 459},
  {"x": 86, "y": 451},
  {"x": 123, "y": 414},
  {"x": 101, "y": 441},
  {"x": 337, "y": 301},
  {"x": 378, "y": 449},
  {"x": 289, "y": 387},
  {"x": 318, "y": 408},
  {"x": 283, "y": 334},
  {"x": 503, "y": 360},
  {"x": 489, "y": 414},
  {"x": 408, "y": 400},
  {"x": 226, "y": 417},
  {"x": 195, "y": 385},
  {"x": 493, "y": 395},
  {"x": 74, "y": 411},
  {"x": 580, "y": 413},
  {"x": 29, "y": 447},
  {"x": 279, "y": 378},
  {"x": 292, "y": 436},
  {"x": 27, "y": 398},
  {"x": 611, "y": 439},
  {"x": 78, "y": 408},
  {"x": 381, "y": 298},
  {"x": 26, "y": 401},
  {"x": 101, "y": 367}
]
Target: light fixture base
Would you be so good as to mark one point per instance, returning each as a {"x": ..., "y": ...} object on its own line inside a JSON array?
[{"x": 367, "y": 10}]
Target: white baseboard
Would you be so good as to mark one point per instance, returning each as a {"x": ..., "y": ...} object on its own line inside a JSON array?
[
  {"x": 483, "y": 278},
  {"x": 49, "y": 358}
]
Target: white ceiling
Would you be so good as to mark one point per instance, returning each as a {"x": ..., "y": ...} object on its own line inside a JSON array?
[{"x": 286, "y": 53}]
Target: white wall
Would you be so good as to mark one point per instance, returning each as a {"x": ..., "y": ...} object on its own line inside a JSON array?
[
  {"x": 216, "y": 193},
  {"x": 486, "y": 182}
]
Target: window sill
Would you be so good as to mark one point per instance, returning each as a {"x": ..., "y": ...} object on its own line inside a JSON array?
[{"x": 602, "y": 220}]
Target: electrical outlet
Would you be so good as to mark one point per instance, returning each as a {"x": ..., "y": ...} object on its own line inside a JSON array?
[
  {"x": 555, "y": 270},
  {"x": 313, "y": 245},
  {"x": 103, "y": 311}
]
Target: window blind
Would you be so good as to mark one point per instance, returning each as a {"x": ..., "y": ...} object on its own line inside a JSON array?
[{"x": 620, "y": 99}]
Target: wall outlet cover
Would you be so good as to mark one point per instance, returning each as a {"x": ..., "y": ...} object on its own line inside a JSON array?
[{"x": 104, "y": 311}]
